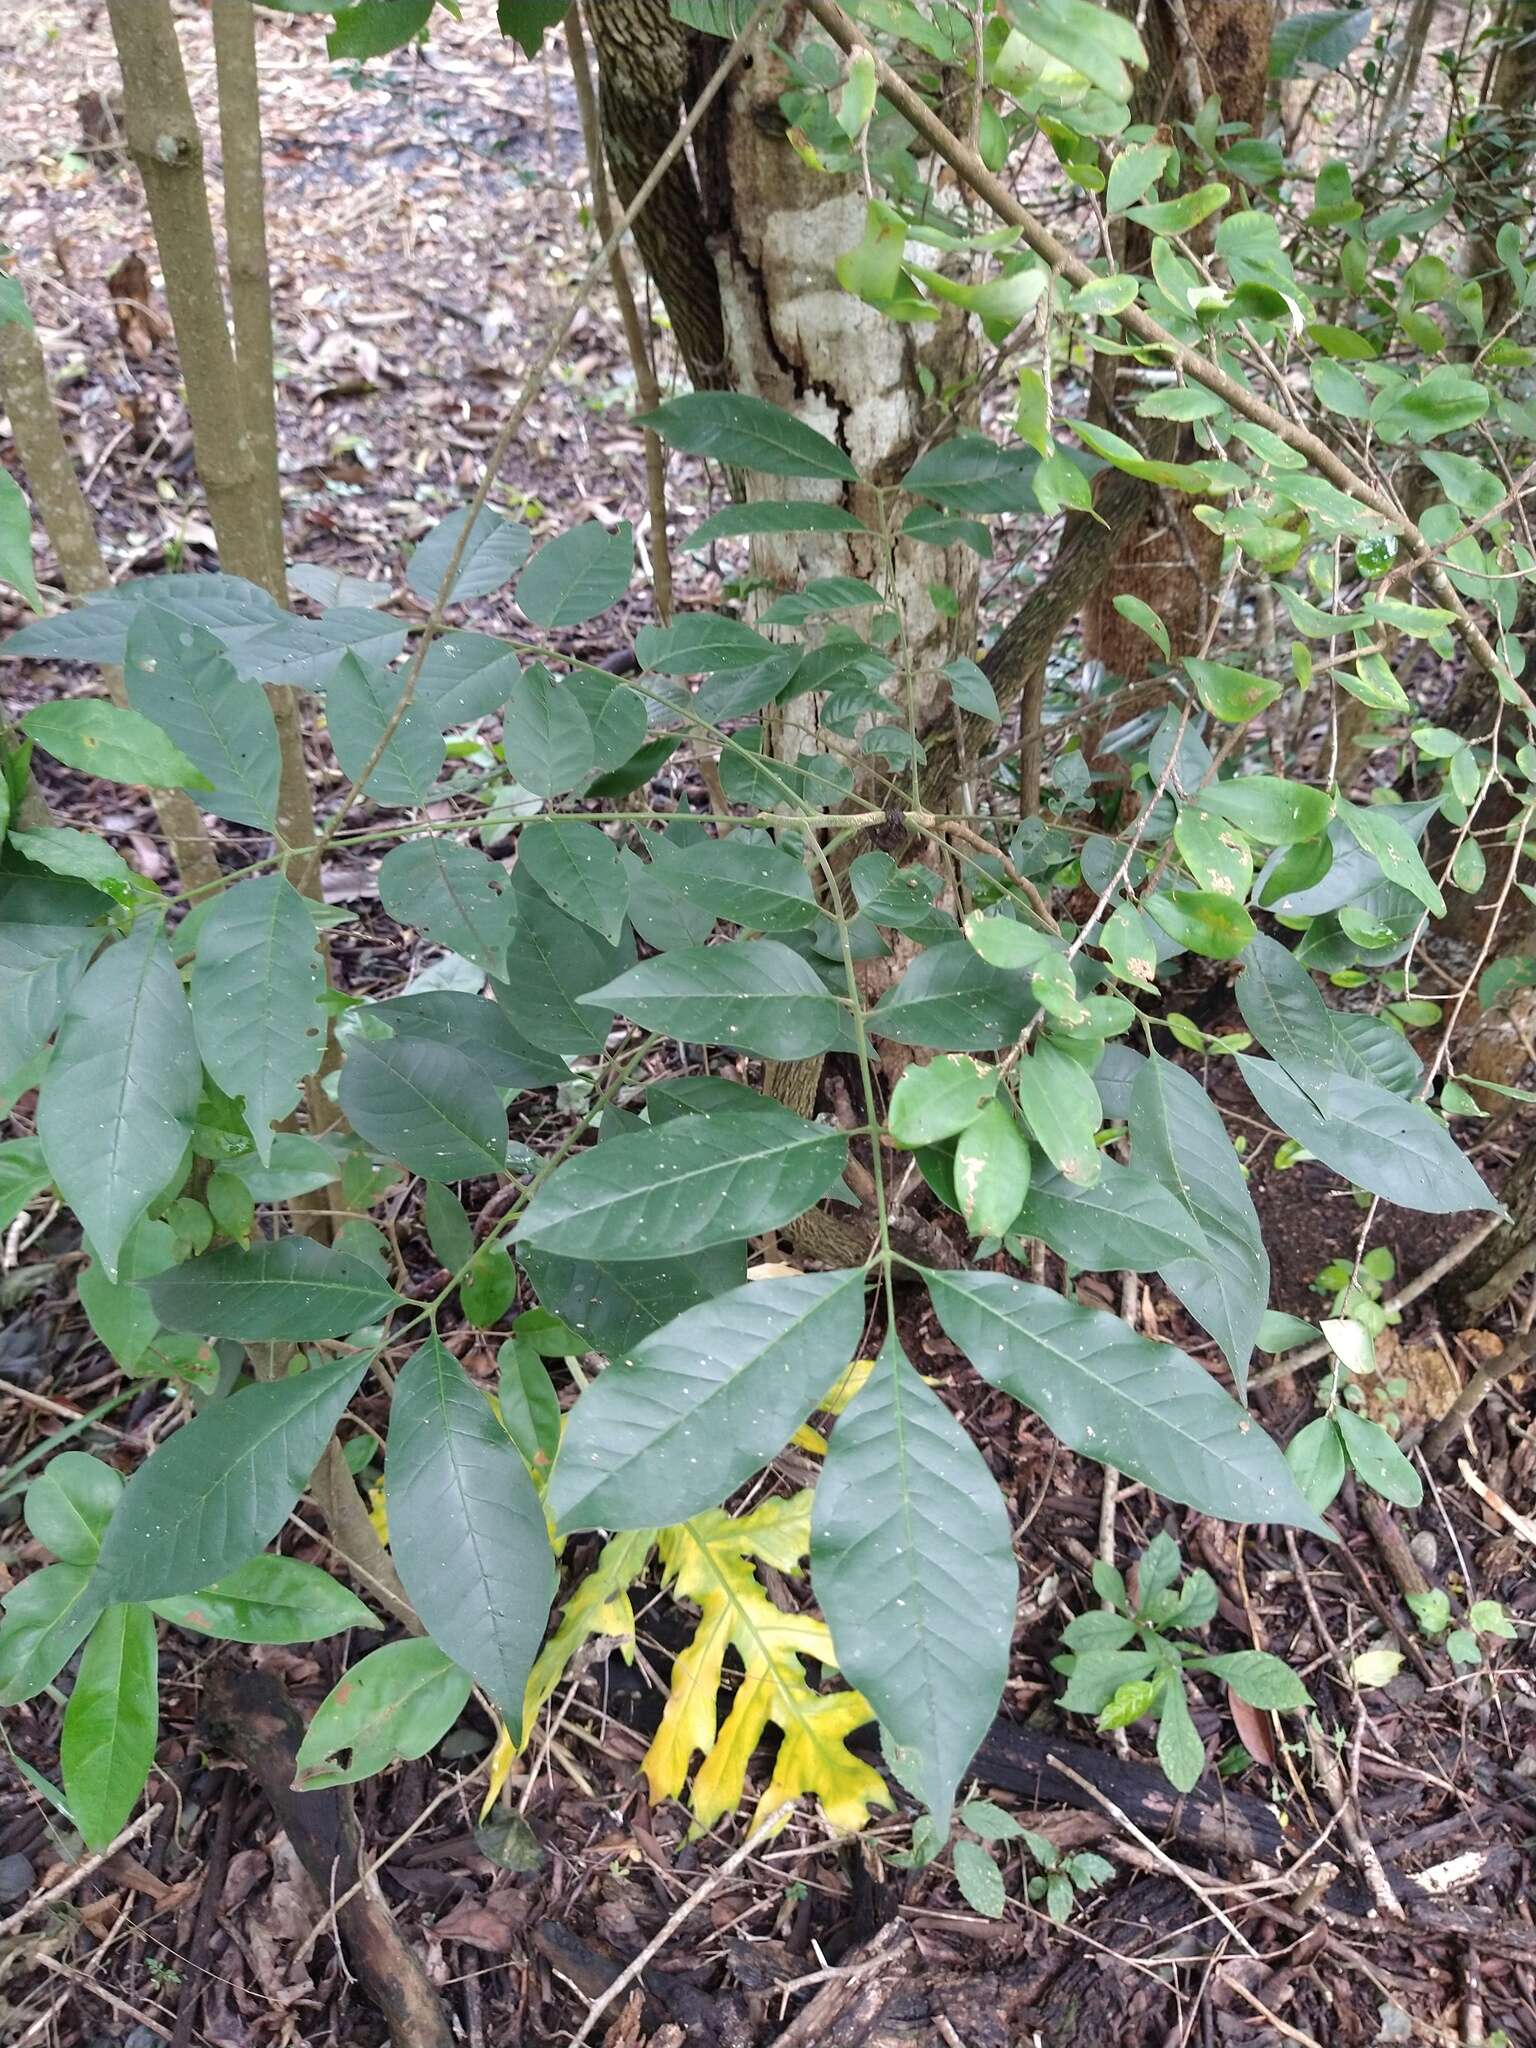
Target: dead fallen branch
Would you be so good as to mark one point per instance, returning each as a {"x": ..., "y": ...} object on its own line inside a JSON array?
[{"x": 246, "y": 1716}]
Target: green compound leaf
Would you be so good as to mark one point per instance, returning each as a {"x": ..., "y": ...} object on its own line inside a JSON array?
[
  {"x": 697, "y": 1182},
  {"x": 752, "y": 995},
  {"x": 360, "y": 703},
  {"x": 256, "y": 999},
  {"x": 773, "y": 515},
  {"x": 119, "y": 745},
  {"x": 1391, "y": 1147},
  {"x": 70, "y": 1503},
  {"x": 759, "y": 887},
  {"x": 548, "y": 737},
  {"x": 214, "y": 1495},
  {"x": 119, "y": 1099},
  {"x": 1178, "y": 1139},
  {"x": 938, "y": 1101},
  {"x": 578, "y": 868},
  {"x": 748, "y": 433},
  {"x": 178, "y": 674},
  {"x": 111, "y": 1724},
  {"x": 453, "y": 895},
  {"x": 950, "y": 1000},
  {"x": 992, "y": 1171},
  {"x": 577, "y": 574},
  {"x": 495, "y": 551},
  {"x": 397, "y": 1703},
  {"x": 1125, "y": 1220},
  {"x": 269, "y": 1600},
  {"x": 426, "y": 1104},
  {"x": 559, "y": 961},
  {"x": 616, "y": 1304},
  {"x": 1059, "y": 1103},
  {"x": 47, "y": 1617},
  {"x": 283, "y": 1290}
]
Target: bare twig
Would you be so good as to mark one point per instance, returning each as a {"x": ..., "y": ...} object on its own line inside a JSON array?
[
  {"x": 72, "y": 1879},
  {"x": 1432, "y": 1275},
  {"x": 108, "y": 1998},
  {"x": 1331, "y": 1776},
  {"x": 1515, "y": 1354},
  {"x": 327, "y": 1920},
  {"x": 1164, "y": 1861},
  {"x": 669, "y": 1927},
  {"x": 1234, "y": 1983},
  {"x": 646, "y": 388},
  {"x": 1491, "y": 1497}
]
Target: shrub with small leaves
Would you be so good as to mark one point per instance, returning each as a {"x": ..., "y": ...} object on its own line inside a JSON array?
[{"x": 650, "y": 991}]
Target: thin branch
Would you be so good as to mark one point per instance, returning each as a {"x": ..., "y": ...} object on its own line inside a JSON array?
[
  {"x": 669, "y": 1927},
  {"x": 250, "y": 299},
  {"x": 1515, "y": 1354},
  {"x": 1459, "y": 1253},
  {"x": 73, "y": 1879}
]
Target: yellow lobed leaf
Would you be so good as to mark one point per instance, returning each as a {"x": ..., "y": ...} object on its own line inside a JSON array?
[
  {"x": 848, "y": 1384},
  {"x": 710, "y": 1561},
  {"x": 503, "y": 1756},
  {"x": 598, "y": 1606}
]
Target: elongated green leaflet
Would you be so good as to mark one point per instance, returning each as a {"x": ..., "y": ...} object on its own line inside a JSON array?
[
  {"x": 912, "y": 1561},
  {"x": 217, "y": 1492},
  {"x": 111, "y": 1724},
  {"x": 705, "y": 1402},
  {"x": 117, "y": 1106},
  {"x": 698, "y": 1182},
  {"x": 1179, "y": 1140},
  {"x": 1120, "y": 1398},
  {"x": 466, "y": 1527}
]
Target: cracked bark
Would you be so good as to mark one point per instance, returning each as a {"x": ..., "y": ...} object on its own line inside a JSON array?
[{"x": 743, "y": 254}]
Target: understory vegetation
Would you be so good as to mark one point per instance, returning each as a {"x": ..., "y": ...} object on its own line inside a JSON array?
[{"x": 846, "y": 995}]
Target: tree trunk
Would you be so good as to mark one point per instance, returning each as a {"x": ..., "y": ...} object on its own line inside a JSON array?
[
  {"x": 164, "y": 142},
  {"x": 1486, "y": 1280},
  {"x": 245, "y": 233},
  {"x": 743, "y": 256},
  {"x": 250, "y": 297},
  {"x": 1168, "y": 559},
  {"x": 643, "y": 59},
  {"x": 796, "y": 338},
  {"x": 1493, "y": 179},
  {"x": 646, "y": 387}
]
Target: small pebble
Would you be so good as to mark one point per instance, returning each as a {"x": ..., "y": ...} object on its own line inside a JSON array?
[
  {"x": 17, "y": 1878},
  {"x": 1425, "y": 1548}
]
